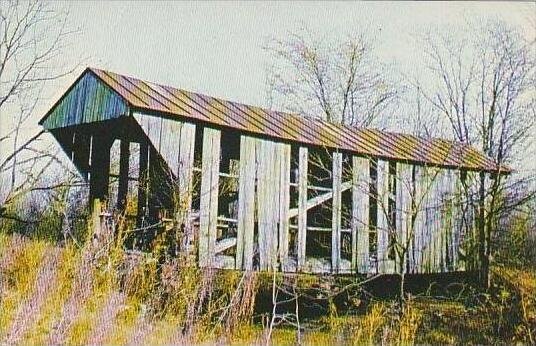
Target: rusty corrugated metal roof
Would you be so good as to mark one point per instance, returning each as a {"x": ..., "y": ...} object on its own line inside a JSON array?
[{"x": 144, "y": 95}]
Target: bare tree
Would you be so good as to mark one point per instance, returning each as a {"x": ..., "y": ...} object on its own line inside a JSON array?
[
  {"x": 339, "y": 81},
  {"x": 33, "y": 35},
  {"x": 483, "y": 86}
]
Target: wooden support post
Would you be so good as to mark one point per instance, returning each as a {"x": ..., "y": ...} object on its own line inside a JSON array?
[
  {"x": 302, "y": 205},
  {"x": 360, "y": 214},
  {"x": 246, "y": 204},
  {"x": 95, "y": 224},
  {"x": 122, "y": 189},
  {"x": 81, "y": 148},
  {"x": 208, "y": 213},
  {"x": 336, "y": 212},
  {"x": 100, "y": 168},
  {"x": 284, "y": 205}
]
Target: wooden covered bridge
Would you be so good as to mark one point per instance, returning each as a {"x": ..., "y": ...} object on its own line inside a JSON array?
[{"x": 257, "y": 189}]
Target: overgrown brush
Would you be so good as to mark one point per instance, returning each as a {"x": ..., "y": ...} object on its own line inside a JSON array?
[
  {"x": 89, "y": 294},
  {"x": 95, "y": 291}
]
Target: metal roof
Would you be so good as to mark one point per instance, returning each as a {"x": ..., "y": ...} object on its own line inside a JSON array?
[{"x": 146, "y": 96}]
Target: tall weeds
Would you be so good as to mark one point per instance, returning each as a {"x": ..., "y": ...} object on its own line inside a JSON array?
[
  {"x": 100, "y": 293},
  {"x": 30, "y": 308}
]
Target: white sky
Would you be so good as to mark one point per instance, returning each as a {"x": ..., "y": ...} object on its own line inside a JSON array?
[{"x": 216, "y": 48}]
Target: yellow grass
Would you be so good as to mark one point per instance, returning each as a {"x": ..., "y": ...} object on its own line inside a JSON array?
[
  {"x": 165, "y": 296},
  {"x": 21, "y": 277}
]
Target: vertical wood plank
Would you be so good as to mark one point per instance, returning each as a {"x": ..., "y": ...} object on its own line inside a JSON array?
[
  {"x": 448, "y": 221},
  {"x": 382, "y": 229},
  {"x": 488, "y": 184},
  {"x": 456, "y": 220},
  {"x": 284, "y": 205},
  {"x": 336, "y": 212},
  {"x": 465, "y": 222},
  {"x": 204, "y": 203},
  {"x": 186, "y": 154},
  {"x": 266, "y": 204},
  {"x": 271, "y": 206},
  {"x": 360, "y": 213},
  {"x": 171, "y": 144},
  {"x": 437, "y": 217},
  {"x": 403, "y": 215},
  {"x": 302, "y": 205},
  {"x": 262, "y": 235},
  {"x": 246, "y": 204},
  {"x": 430, "y": 223},
  {"x": 428, "y": 229},
  {"x": 431, "y": 205},
  {"x": 474, "y": 216},
  {"x": 165, "y": 136},
  {"x": 151, "y": 126},
  {"x": 214, "y": 190},
  {"x": 419, "y": 217},
  {"x": 184, "y": 173},
  {"x": 276, "y": 199},
  {"x": 208, "y": 212}
]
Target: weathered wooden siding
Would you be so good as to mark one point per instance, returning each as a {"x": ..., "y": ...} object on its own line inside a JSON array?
[
  {"x": 87, "y": 101},
  {"x": 433, "y": 230},
  {"x": 264, "y": 198},
  {"x": 175, "y": 142}
]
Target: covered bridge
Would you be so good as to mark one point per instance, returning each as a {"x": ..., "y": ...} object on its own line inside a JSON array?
[{"x": 250, "y": 188}]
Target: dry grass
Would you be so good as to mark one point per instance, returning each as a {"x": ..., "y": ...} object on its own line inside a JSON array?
[
  {"x": 65, "y": 295},
  {"x": 90, "y": 296}
]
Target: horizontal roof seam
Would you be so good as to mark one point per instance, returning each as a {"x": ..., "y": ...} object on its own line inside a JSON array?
[
  {"x": 168, "y": 98},
  {"x": 128, "y": 93}
]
